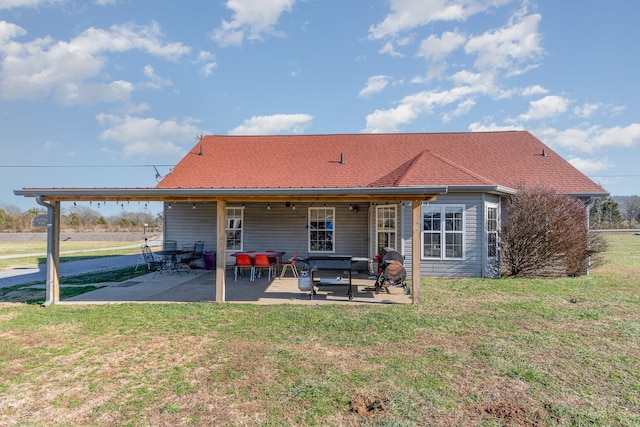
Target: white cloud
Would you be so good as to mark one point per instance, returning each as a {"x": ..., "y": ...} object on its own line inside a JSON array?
[
  {"x": 482, "y": 82},
  {"x": 274, "y": 124},
  {"x": 90, "y": 94},
  {"x": 492, "y": 127},
  {"x": 40, "y": 67},
  {"x": 437, "y": 48},
  {"x": 463, "y": 108},
  {"x": 389, "y": 49},
  {"x": 9, "y": 31},
  {"x": 534, "y": 91},
  {"x": 105, "y": 2},
  {"x": 408, "y": 14},
  {"x": 586, "y": 110},
  {"x": 121, "y": 38},
  {"x": 615, "y": 110},
  {"x": 11, "y": 4},
  {"x": 549, "y": 106},
  {"x": 509, "y": 46},
  {"x": 591, "y": 139},
  {"x": 498, "y": 53},
  {"x": 375, "y": 84},
  {"x": 207, "y": 62},
  {"x": 591, "y": 166},
  {"x": 155, "y": 81},
  {"x": 411, "y": 107},
  {"x": 146, "y": 137},
  {"x": 252, "y": 19}
]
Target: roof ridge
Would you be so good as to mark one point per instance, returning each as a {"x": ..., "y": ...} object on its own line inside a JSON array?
[
  {"x": 298, "y": 135},
  {"x": 462, "y": 169},
  {"x": 398, "y": 173}
]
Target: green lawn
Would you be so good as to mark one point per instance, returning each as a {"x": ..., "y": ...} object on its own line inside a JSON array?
[
  {"x": 34, "y": 292},
  {"x": 507, "y": 352}
]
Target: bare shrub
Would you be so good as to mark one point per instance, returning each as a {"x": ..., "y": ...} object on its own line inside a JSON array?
[
  {"x": 597, "y": 248},
  {"x": 545, "y": 233}
]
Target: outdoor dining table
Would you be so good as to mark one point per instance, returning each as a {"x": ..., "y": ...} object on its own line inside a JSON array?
[{"x": 252, "y": 254}]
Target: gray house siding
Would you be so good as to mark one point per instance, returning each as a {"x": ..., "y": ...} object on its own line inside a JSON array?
[
  {"x": 285, "y": 228},
  {"x": 471, "y": 264},
  {"x": 186, "y": 225},
  {"x": 279, "y": 228}
]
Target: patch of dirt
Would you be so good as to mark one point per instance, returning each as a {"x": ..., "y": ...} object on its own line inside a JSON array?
[
  {"x": 368, "y": 406},
  {"x": 512, "y": 413}
]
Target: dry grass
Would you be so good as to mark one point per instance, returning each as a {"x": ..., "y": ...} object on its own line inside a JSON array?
[{"x": 509, "y": 352}]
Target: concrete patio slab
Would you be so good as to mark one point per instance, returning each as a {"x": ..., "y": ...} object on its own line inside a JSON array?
[{"x": 199, "y": 286}]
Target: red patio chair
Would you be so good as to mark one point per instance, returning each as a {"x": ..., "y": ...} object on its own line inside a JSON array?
[
  {"x": 260, "y": 262},
  {"x": 243, "y": 261},
  {"x": 273, "y": 259}
]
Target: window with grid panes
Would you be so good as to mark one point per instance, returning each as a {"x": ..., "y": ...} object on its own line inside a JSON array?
[
  {"x": 492, "y": 231},
  {"x": 443, "y": 231},
  {"x": 386, "y": 220},
  {"x": 234, "y": 228},
  {"x": 321, "y": 229}
]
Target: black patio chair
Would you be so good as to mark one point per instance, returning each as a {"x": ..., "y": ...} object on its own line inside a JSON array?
[
  {"x": 184, "y": 260},
  {"x": 198, "y": 254}
]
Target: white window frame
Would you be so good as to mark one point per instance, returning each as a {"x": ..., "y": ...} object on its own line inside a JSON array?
[
  {"x": 442, "y": 232},
  {"x": 232, "y": 213},
  {"x": 382, "y": 227},
  {"x": 318, "y": 213},
  {"x": 492, "y": 231}
]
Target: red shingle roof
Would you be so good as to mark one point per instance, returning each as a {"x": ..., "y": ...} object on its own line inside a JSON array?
[{"x": 507, "y": 159}]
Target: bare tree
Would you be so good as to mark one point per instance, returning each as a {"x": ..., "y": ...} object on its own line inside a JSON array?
[
  {"x": 632, "y": 210},
  {"x": 545, "y": 233},
  {"x": 81, "y": 218}
]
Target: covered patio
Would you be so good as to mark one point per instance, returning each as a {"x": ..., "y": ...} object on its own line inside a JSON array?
[{"x": 51, "y": 198}]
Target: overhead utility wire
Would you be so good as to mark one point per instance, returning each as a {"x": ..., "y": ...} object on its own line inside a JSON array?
[
  {"x": 80, "y": 166},
  {"x": 613, "y": 176}
]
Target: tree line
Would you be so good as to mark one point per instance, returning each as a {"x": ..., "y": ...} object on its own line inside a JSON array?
[
  {"x": 79, "y": 219},
  {"x": 615, "y": 212}
]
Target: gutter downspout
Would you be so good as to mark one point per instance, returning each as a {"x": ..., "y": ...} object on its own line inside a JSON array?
[{"x": 50, "y": 286}]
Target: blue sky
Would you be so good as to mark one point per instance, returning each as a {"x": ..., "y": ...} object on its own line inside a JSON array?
[{"x": 97, "y": 93}]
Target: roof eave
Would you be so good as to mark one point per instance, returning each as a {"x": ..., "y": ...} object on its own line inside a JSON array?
[
  {"x": 492, "y": 189},
  {"x": 195, "y": 194}
]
